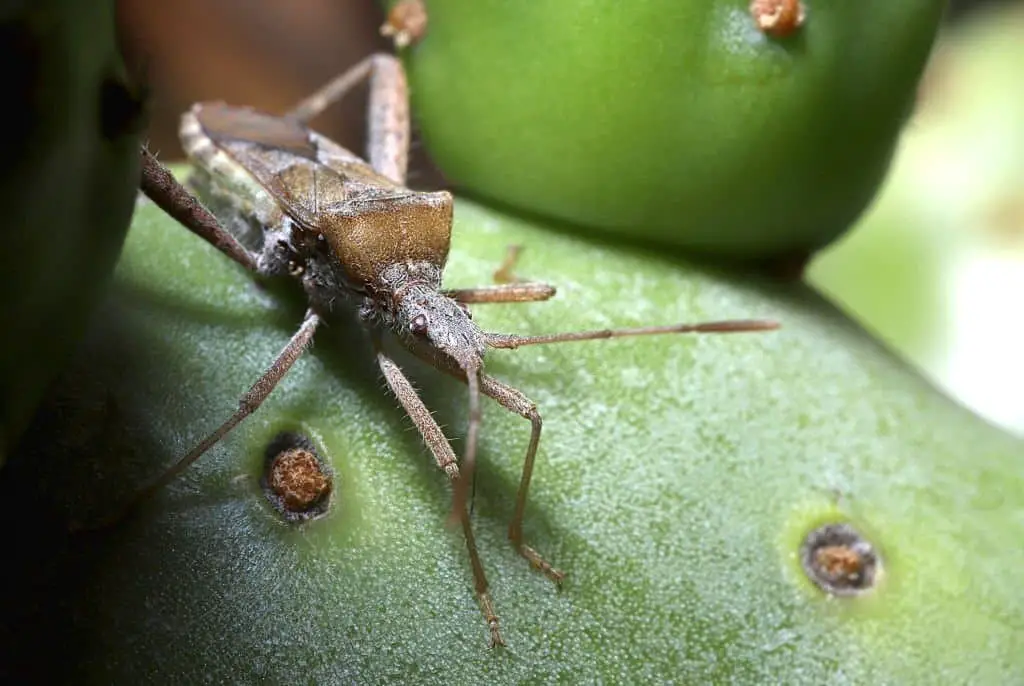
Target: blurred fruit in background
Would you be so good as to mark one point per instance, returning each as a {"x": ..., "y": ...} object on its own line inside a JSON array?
[
  {"x": 680, "y": 124},
  {"x": 69, "y": 170},
  {"x": 936, "y": 267}
]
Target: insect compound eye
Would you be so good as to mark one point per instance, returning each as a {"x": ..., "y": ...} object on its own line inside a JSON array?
[{"x": 418, "y": 324}]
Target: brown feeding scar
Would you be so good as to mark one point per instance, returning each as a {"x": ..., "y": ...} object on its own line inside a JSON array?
[
  {"x": 406, "y": 23},
  {"x": 778, "y": 18},
  {"x": 291, "y": 202}
]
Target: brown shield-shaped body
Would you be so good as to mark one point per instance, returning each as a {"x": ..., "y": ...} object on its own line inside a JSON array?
[{"x": 369, "y": 221}]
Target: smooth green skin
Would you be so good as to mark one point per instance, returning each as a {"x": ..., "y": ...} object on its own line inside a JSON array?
[
  {"x": 671, "y": 121},
  {"x": 67, "y": 191},
  {"x": 676, "y": 479}
]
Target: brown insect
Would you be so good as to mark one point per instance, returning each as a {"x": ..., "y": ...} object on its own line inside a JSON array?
[{"x": 295, "y": 203}]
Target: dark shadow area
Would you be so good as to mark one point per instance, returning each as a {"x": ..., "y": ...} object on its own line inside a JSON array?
[{"x": 963, "y": 9}]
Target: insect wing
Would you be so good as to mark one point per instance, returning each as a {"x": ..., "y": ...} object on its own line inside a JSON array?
[{"x": 281, "y": 154}]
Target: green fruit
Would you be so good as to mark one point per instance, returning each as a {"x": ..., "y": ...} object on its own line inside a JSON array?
[
  {"x": 676, "y": 480},
  {"x": 672, "y": 121},
  {"x": 68, "y": 180}
]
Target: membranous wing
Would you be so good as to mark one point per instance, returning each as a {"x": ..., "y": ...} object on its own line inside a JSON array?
[{"x": 304, "y": 172}]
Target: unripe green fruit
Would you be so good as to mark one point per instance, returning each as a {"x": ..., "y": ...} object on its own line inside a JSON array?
[{"x": 672, "y": 121}]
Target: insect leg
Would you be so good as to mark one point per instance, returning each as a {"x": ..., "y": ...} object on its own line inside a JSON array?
[
  {"x": 511, "y": 288},
  {"x": 445, "y": 458},
  {"x": 514, "y": 401},
  {"x": 163, "y": 189},
  {"x": 249, "y": 403},
  {"x": 388, "y": 125}
]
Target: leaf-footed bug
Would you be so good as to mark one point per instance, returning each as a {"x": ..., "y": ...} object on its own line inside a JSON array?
[{"x": 295, "y": 203}]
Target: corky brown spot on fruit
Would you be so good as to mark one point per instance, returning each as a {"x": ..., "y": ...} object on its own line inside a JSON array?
[
  {"x": 839, "y": 563},
  {"x": 406, "y": 23},
  {"x": 839, "y": 560},
  {"x": 295, "y": 480},
  {"x": 778, "y": 18},
  {"x": 295, "y": 476}
]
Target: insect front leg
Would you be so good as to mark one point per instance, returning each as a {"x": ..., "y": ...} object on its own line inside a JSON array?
[
  {"x": 163, "y": 189},
  {"x": 515, "y": 401},
  {"x": 510, "y": 288},
  {"x": 445, "y": 458},
  {"x": 388, "y": 125}
]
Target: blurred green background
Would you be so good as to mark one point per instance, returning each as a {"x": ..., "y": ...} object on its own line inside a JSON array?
[{"x": 936, "y": 266}]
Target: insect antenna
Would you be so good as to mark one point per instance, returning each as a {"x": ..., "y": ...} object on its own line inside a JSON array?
[{"x": 512, "y": 341}]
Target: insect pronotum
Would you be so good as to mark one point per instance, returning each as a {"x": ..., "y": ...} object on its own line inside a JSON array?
[{"x": 295, "y": 203}]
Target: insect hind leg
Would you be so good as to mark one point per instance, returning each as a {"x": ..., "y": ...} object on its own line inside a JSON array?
[{"x": 388, "y": 125}]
